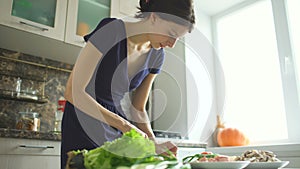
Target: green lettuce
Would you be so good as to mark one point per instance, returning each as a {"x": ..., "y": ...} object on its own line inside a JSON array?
[
  {"x": 130, "y": 151},
  {"x": 124, "y": 151}
]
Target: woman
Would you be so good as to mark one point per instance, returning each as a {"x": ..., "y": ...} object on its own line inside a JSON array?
[{"x": 120, "y": 57}]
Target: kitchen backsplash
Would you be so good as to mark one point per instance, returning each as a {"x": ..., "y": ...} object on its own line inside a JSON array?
[{"x": 53, "y": 77}]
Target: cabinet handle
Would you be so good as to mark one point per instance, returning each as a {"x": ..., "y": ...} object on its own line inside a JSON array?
[
  {"x": 36, "y": 146},
  {"x": 42, "y": 29}
]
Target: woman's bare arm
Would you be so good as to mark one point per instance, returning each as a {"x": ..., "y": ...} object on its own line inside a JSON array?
[
  {"x": 141, "y": 119},
  {"x": 139, "y": 101}
]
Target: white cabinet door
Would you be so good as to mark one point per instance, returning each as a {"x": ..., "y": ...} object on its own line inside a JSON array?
[
  {"x": 4, "y": 162},
  {"x": 33, "y": 162},
  {"x": 124, "y": 9},
  {"x": 29, "y": 147},
  {"x": 29, "y": 154},
  {"x": 82, "y": 17},
  {"x": 43, "y": 17}
]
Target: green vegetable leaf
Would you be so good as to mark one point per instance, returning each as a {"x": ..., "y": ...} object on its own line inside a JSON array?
[
  {"x": 124, "y": 151},
  {"x": 131, "y": 151}
]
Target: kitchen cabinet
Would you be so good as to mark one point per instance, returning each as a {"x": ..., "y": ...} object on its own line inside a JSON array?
[
  {"x": 122, "y": 9},
  {"x": 44, "y": 17},
  {"x": 62, "y": 20},
  {"x": 83, "y": 17},
  {"x": 29, "y": 154},
  {"x": 33, "y": 41}
]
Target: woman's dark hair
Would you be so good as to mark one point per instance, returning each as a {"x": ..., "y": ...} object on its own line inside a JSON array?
[{"x": 167, "y": 9}]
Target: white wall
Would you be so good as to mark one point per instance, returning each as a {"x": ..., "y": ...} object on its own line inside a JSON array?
[
  {"x": 200, "y": 77},
  {"x": 203, "y": 22}
]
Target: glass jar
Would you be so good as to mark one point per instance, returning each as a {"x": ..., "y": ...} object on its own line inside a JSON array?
[{"x": 28, "y": 121}]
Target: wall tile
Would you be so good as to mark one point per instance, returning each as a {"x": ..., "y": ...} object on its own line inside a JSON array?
[{"x": 55, "y": 81}]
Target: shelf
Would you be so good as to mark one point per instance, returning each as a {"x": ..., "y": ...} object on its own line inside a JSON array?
[
  {"x": 28, "y": 77},
  {"x": 22, "y": 96}
]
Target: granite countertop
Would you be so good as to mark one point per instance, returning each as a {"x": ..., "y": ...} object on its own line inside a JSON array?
[{"x": 25, "y": 134}]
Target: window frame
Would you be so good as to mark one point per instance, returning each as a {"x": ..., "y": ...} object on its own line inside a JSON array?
[{"x": 289, "y": 83}]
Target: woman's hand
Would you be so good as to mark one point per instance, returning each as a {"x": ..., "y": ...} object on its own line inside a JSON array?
[{"x": 165, "y": 148}]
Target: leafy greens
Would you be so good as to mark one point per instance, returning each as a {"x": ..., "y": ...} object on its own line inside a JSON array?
[{"x": 130, "y": 150}]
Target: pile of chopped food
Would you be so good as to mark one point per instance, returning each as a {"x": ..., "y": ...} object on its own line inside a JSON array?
[
  {"x": 130, "y": 151},
  {"x": 257, "y": 156},
  {"x": 249, "y": 155},
  {"x": 208, "y": 157}
]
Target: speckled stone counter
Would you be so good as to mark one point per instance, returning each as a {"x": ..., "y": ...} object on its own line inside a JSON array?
[{"x": 24, "y": 134}]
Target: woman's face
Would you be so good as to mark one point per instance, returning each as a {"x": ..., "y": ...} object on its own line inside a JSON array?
[{"x": 165, "y": 33}]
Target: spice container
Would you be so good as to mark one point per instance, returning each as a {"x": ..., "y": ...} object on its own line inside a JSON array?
[
  {"x": 59, "y": 115},
  {"x": 28, "y": 121}
]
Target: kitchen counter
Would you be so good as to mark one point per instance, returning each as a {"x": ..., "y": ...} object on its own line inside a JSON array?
[
  {"x": 24, "y": 134},
  {"x": 183, "y": 143}
]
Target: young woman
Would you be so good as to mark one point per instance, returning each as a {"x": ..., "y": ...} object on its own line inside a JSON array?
[{"x": 120, "y": 57}]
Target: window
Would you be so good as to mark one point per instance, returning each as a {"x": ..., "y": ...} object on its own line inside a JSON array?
[
  {"x": 293, "y": 10},
  {"x": 259, "y": 90}
]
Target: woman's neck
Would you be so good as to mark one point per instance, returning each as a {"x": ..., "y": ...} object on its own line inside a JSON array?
[{"x": 137, "y": 37}]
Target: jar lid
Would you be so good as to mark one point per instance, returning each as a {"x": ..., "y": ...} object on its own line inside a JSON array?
[{"x": 62, "y": 102}]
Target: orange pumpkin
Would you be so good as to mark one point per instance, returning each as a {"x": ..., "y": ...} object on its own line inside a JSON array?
[
  {"x": 231, "y": 137},
  {"x": 228, "y": 136}
]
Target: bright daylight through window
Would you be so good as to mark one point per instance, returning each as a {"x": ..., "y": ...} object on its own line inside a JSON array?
[
  {"x": 293, "y": 11},
  {"x": 247, "y": 48}
]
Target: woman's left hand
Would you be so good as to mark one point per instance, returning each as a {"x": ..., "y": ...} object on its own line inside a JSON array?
[{"x": 165, "y": 148}]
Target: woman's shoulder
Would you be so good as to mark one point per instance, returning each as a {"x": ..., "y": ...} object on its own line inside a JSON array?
[
  {"x": 105, "y": 21},
  {"x": 115, "y": 22}
]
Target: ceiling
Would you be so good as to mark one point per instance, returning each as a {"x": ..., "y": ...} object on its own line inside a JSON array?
[{"x": 212, "y": 7}]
